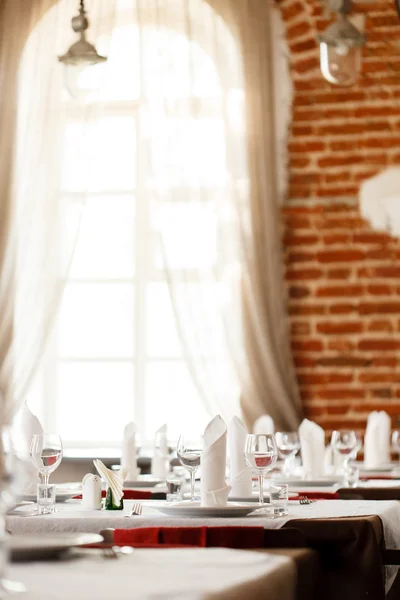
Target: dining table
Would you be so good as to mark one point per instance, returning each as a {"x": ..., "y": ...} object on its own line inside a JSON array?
[
  {"x": 156, "y": 574},
  {"x": 349, "y": 535}
]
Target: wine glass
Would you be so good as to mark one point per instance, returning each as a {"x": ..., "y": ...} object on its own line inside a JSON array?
[
  {"x": 396, "y": 442},
  {"x": 261, "y": 454},
  {"x": 46, "y": 453},
  {"x": 344, "y": 442},
  {"x": 359, "y": 445},
  {"x": 288, "y": 445},
  {"x": 189, "y": 454}
]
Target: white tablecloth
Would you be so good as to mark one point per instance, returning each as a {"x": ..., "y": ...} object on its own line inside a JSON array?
[
  {"x": 189, "y": 574},
  {"x": 70, "y": 516}
]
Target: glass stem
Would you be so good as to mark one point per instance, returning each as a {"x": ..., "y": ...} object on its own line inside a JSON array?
[
  {"x": 192, "y": 474},
  {"x": 45, "y": 478},
  {"x": 261, "y": 490}
]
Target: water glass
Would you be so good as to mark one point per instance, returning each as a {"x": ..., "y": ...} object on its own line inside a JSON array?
[
  {"x": 174, "y": 485},
  {"x": 189, "y": 454},
  {"x": 261, "y": 454},
  {"x": 46, "y": 498},
  {"x": 288, "y": 444},
  {"x": 344, "y": 443},
  {"x": 46, "y": 453},
  {"x": 279, "y": 498},
  {"x": 351, "y": 476}
]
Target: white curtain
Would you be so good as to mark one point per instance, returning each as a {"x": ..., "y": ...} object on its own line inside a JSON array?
[
  {"x": 40, "y": 218},
  {"x": 197, "y": 73}
]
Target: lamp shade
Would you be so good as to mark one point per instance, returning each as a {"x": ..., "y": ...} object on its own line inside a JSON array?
[{"x": 341, "y": 52}]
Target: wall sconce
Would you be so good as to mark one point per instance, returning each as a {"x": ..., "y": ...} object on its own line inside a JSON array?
[
  {"x": 81, "y": 62},
  {"x": 340, "y": 47}
]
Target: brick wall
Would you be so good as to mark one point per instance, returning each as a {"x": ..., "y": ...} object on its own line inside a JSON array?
[{"x": 343, "y": 278}]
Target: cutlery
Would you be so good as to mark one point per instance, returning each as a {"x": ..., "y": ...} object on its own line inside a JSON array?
[
  {"x": 305, "y": 500},
  {"x": 136, "y": 510}
]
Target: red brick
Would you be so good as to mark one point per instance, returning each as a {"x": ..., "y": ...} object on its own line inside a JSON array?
[
  {"x": 384, "y": 361},
  {"x": 371, "y": 238},
  {"x": 303, "y": 274},
  {"x": 300, "y": 328},
  {"x": 298, "y": 292},
  {"x": 379, "y": 308},
  {"x": 343, "y": 309},
  {"x": 380, "y": 325},
  {"x": 334, "y": 256},
  {"x": 324, "y": 378},
  {"x": 291, "y": 11},
  {"x": 298, "y": 30},
  {"x": 307, "y": 345},
  {"x": 338, "y": 273},
  {"x": 299, "y": 240},
  {"x": 377, "y": 377},
  {"x": 307, "y": 309},
  {"x": 381, "y": 345},
  {"x": 336, "y": 238},
  {"x": 340, "y": 327},
  {"x": 380, "y": 290},
  {"x": 338, "y": 291},
  {"x": 341, "y": 345},
  {"x": 296, "y": 257}
]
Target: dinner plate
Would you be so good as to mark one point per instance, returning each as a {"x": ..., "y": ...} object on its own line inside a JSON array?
[
  {"x": 300, "y": 483},
  {"x": 194, "y": 509},
  {"x": 255, "y": 497},
  {"x": 143, "y": 481},
  {"x": 61, "y": 495},
  {"x": 44, "y": 546}
]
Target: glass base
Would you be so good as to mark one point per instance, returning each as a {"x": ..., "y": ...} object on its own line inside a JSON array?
[{"x": 279, "y": 511}]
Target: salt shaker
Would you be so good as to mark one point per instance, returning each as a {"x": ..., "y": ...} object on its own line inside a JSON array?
[{"x": 91, "y": 492}]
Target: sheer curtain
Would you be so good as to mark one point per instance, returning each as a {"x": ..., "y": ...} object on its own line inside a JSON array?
[
  {"x": 200, "y": 85},
  {"x": 211, "y": 149},
  {"x": 39, "y": 222}
]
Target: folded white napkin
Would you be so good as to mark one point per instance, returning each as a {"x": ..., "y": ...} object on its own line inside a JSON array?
[
  {"x": 159, "y": 462},
  {"x": 30, "y": 426},
  {"x": 240, "y": 473},
  {"x": 129, "y": 455},
  {"x": 114, "y": 480},
  {"x": 377, "y": 440},
  {"x": 214, "y": 491},
  {"x": 264, "y": 424},
  {"x": 312, "y": 442}
]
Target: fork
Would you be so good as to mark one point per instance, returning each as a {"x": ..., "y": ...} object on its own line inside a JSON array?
[
  {"x": 305, "y": 500},
  {"x": 136, "y": 510}
]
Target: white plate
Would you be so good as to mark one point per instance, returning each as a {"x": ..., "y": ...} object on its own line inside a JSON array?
[
  {"x": 255, "y": 497},
  {"x": 384, "y": 469},
  {"x": 143, "y": 481},
  {"x": 300, "y": 483},
  {"x": 43, "y": 546},
  {"x": 194, "y": 509},
  {"x": 61, "y": 495}
]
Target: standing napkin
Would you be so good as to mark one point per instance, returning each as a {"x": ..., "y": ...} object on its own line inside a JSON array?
[
  {"x": 312, "y": 442},
  {"x": 264, "y": 424},
  {"x": 377, "y": 440},
  {"x": 129, "y": 456},
  {"x": 214, "y": 491},
  {"x": 159, "y": 462},
  {"x": 240, "y": 473}
]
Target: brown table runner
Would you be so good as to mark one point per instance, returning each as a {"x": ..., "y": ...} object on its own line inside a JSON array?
[
  {"x": 373, "y": 493},
  {"x": 350, "y": 556}
]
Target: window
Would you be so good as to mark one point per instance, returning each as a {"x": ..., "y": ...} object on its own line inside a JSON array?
[{"x": 116, "y": 354}]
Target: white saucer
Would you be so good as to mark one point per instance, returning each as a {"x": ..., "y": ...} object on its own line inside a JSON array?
[
  {"x": 43, "y": 546},
  {"x": 194, "y": 509}
]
